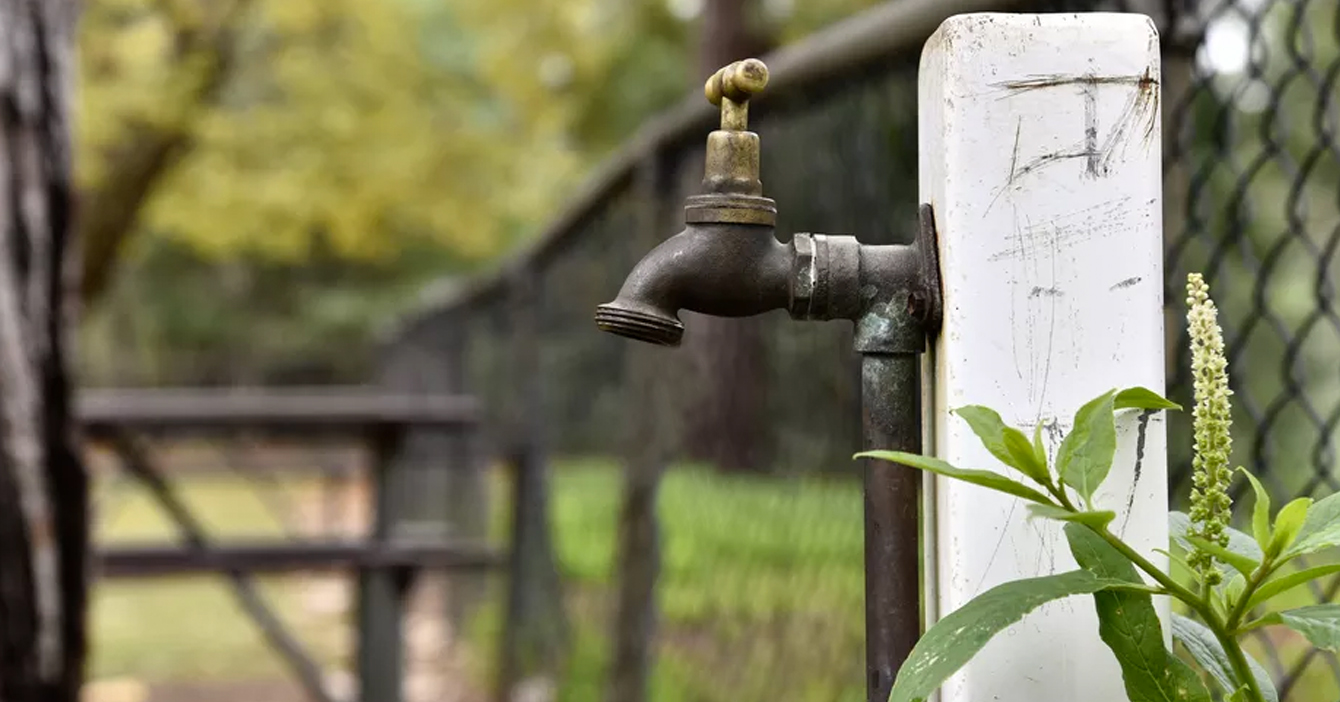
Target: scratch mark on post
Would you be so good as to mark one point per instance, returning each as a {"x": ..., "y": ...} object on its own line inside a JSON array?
[
  {"x": 1142, "y": 106},
  {"x": 1053, "y": 157},
  {"x": 1051, "y": 339},
  {"x": 1039, "y": 291},
  {"x": 996, "y": 551},
  {"x": 1126, "y": 283},
  {"x": 1014, "y": 163},
  {"x": 1014, "y": 156},
  {"x": 1054, "y": 80},
  {"x": 1091, "y": 127},
  {"x": 1140, "y": 431},
  {"x": 1096, "y": 221}
]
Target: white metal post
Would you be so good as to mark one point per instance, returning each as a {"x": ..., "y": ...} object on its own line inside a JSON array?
[{"x": 1040, "y": 152}]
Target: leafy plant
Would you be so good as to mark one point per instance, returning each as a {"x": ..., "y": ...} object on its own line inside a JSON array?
[{"x": 1232, "y": 574}]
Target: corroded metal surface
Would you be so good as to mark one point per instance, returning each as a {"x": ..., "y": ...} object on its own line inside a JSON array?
[
  {"x": 890, "y": 419},
  {"x": 728, "y": 267}
]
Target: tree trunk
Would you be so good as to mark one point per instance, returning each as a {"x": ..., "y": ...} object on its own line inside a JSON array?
[
  {"x": 43, "y": 487},
  {"x": 726, "y": 422}
]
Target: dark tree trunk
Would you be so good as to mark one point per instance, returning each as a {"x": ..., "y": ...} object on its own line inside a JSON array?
[
  {"x": 43, "y": 488},
  {"x": 726, "y": 423}
]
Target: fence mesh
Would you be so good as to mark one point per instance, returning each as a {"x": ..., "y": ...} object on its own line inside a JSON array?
[{"x": 759, "y": 582}]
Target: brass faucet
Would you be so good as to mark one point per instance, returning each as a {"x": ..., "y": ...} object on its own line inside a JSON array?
[{"x": 728, "y": 263}]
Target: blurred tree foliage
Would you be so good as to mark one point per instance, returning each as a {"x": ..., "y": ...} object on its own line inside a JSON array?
[{"x": 274, "y": 136}]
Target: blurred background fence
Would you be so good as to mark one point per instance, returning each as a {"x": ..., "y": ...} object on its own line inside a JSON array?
[
  {"x": 718, "y": 476},
  {"x": 690, "y": 519}
]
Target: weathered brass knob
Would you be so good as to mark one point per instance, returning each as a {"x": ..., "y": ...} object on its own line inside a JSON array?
[
  {"x": 732, "y": 193},
  {"x": 731, "y": 87}
]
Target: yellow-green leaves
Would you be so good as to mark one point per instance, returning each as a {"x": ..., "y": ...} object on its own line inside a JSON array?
[
  {"x": 1006, "y": 443},
  {"x": 1086, "y": 453},
  {"x": 1319, "y": 623},
  {"x": 1281, "y": 584},
  {"x": 1203, "y": 646},
  {"x": 1240, "y": 562},
  {"x": 1143, "y": 399},
  {"x": 332, "y": 123},
  {"x": 1260, "y": 510},
  {"x": 1025, "y": 457},
  {"x": 955, "y": 639},
  {"x": 1241, "y": 547},
  {"x": 1129, "y": 625},
  {"x": 984, "y": 478},
  {"x": 1094, "y": 520},
  {"x": 1287, "y": 525},
  {"x": 1321, "y": 528}
]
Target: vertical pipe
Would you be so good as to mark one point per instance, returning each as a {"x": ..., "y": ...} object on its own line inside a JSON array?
[{"x": 890, "y": 419}]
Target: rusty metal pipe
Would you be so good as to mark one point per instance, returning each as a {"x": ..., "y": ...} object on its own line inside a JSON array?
[
  {"x": 728, "y": 263},
  {"x": 723, "y": 270},
  {"x": 890, "y": 419}
]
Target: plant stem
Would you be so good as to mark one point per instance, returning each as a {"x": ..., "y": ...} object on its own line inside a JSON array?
[
  {"x": 1239, "y": 660},
  {"x": 1173, "y": 587},
  {"x": 1265, "y": 570},
  {"x": 1200, "y": 605}
]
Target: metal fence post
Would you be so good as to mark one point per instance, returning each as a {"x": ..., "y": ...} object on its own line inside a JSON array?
[
  {"x": 467, "y": 491},
  {"x": 1040, "y": 150},
  {"x": 381, "y": 591},
  {"x": 649, "y": 440},
  {"x": 535, "y": 629}
]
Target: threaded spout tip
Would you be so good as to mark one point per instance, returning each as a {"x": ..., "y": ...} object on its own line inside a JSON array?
[{"x": 640, "y": 326}]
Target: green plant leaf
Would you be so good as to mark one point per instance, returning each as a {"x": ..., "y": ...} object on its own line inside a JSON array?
[
  {"x": 1129, "y": 625},
  {"x": 1320, "y": 530},
  {"x": 1239, "y": 562},
  {"x": 1038, "y": 448},
  {"x": 1086, "y": 453},
  {"x": 1201, "y": 643},
  {"x": 1178, "y": 524},
  {"x": 1096, "y": 520},
  {"x": 1009, "y": 445},
  {"x": 1143, "y": 398},
  {"x": 1238, "y": 542},
  {"x": 1174, "y": 558},
  {"x": 1025, "y": 459},
  {"x": 1234, "y": 588},
  {"x": 1287, "y": 524},
  {"x": 984, "y": 478},
  {"x": 1319, "y": 623},
  {"x": 954, "y": 640},
  {"x": 1260, "y": 510},
  {"x": 1281, "y": 584},
  {"x": 989, "y": 428}
]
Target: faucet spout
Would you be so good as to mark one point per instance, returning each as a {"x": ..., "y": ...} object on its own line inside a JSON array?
[{"x": 722, "y": 270}]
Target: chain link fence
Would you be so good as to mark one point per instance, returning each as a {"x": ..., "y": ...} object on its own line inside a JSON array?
[{"x": 758, "y": 571}]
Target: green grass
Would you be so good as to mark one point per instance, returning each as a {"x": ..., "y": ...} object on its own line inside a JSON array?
[
  {"x": 189, "y": 628},
  {"x": 761, "y": 586},
  {"x": 761, "y": 591}
]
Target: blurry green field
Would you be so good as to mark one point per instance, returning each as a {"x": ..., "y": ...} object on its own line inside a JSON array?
[
  {"x": 761, "y": 591},
  {"x": 190, "y": 628},
  {"x": 761, "y": 585}
]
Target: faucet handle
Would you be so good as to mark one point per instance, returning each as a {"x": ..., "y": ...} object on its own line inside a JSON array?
[{"x": 730, "y": 87}]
